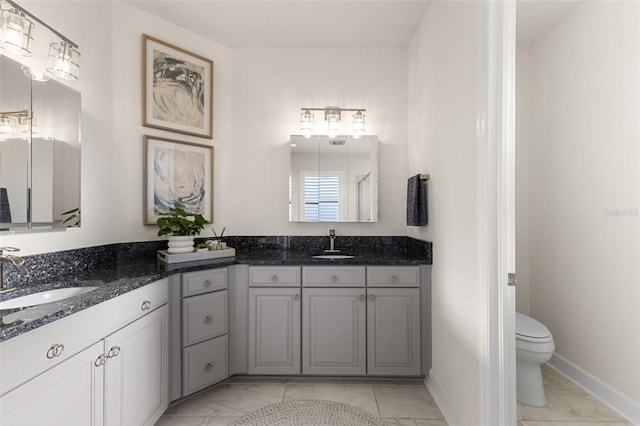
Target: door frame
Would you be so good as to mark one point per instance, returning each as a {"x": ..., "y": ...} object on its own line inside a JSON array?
[{"x": 496, "y": 136}]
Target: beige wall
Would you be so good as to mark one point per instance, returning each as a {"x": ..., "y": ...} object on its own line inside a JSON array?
[{"x": 585, "y": 190}]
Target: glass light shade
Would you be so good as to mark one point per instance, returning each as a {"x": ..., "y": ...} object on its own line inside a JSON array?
[
  {"x": 306, "y": 123},
  {"x": 333, "y": 123},
  {"x": 64, "y": 61},
  {"x": 33, "y": 74},
  {"x": 15, "y": 32},
  {"x": 358, "y": 124},
  {"x": 6, "y": 125}
]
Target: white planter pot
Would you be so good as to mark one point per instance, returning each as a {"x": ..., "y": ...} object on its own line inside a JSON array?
[{"x": 180, "y": 244}]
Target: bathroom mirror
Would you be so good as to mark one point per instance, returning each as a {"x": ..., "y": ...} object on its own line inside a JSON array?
[
  {"x": 39, "y": 151},
  {"x": 333, "y": 179}
]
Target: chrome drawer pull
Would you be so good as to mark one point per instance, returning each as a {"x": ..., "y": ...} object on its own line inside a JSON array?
[
  {"x": 274, "y": 278},
  {"x": 208, "y": 367},
  {"x": 146, "y": 305},
  {"x": 208, "y": 319},
  {"x": 207, "y": 283},
  {"x": 100, "y": 360},
  {"x": 394, "y": 278},
  {"x": 55, "y": 350},
  {"x": 113, "y": 352},
  {"x": 334, "y": 279}
]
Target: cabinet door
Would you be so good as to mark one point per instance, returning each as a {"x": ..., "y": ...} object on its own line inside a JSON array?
[
  {"x": 334, "y": 331},
  {"x": 69, "y": 394},
  {"x": 393, "y": 328},
  {"x": 274, "y": 331},
  {"x": 137, "y": 371}
]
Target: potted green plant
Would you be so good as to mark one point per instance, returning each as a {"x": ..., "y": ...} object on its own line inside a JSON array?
[
  {"x": 203, "y": 247},
  {"x": 180, "y": 227}
]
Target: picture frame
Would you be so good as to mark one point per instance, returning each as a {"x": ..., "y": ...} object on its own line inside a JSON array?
[
  {"x": 177, "y": 175},
  {"x": 177, "y": 89}
]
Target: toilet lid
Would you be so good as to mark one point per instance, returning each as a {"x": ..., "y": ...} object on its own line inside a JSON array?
[{"x": 528, "y": 327}]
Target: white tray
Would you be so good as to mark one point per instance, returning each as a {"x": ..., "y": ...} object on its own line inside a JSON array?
[{"x": 167, "y": 257}]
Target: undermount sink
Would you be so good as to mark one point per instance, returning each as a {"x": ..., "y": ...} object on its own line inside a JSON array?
[
  {"x": 334, "y": 256},
  {"x": 45, "y": 297}
]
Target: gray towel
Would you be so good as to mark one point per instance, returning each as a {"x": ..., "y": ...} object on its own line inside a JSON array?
[{"x": 417, "y": 206}]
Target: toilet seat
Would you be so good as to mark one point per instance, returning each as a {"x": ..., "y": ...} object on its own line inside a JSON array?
[{"x": 530, "y": 330}]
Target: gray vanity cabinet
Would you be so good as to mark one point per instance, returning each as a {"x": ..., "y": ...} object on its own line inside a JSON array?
[
  {"x": 274, "y": 320},
  {"x": 334, "y": 312},
  {"x": 393, "y": 331},
  {"x": 393, "y": 321},
  {"x": 205, "y": 342},
  {"x": 334, "y": 331}
]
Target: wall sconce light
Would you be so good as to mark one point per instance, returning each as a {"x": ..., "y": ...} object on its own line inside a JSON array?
[
  {"x": 333, "y": 116},
  {"x": 15, "y": 36}
]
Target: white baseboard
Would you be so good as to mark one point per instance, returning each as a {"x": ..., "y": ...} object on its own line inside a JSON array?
[
  {"x": 446, "y": 404},
  {"x": 618, "y": 402}
]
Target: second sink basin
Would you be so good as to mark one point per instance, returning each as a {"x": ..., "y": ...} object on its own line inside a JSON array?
[
  {"x": 45, "y": 297},
  {"x": 334, "y": 256}
]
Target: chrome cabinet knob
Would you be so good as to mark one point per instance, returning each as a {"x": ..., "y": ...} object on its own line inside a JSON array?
[
  {"x": 296, "y": 297},
  {"x": 113, "y": 352},
  {"x": 102, "y": 358},
  {"x": 372, "y": 297},
  {"x": 394, "y": 278},
  {"x": 361, "y": 297},
  {"x": 207, "y": 283},
  {"x": 146, "y": 305},
  {"x": 208, "y": 319},
  {"x": 208, "y": 367},
  {"x": 55, "y": 350},
  {"x": 274, "y": 278},
  {"x": 334, "y": 278}
]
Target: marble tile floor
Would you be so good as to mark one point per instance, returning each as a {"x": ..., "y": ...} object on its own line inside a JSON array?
[
  {"x": 398, "y": 402},
  {"x": 567, "y": 405}
]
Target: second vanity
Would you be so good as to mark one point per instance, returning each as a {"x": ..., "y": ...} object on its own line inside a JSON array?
[{"x": 183, "y": 328}]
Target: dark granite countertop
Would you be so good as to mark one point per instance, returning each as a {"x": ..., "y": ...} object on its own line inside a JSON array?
[{"x": 129, "y": 270}]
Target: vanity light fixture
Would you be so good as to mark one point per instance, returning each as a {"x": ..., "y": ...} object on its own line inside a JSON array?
[
  {"x": 17, "y": 123},
  {"x": 306, "y": 123},
  {"x": 333, "y": 116},
  {"x": 15, "y": 31},
  {"x": 15, "y": 36}
]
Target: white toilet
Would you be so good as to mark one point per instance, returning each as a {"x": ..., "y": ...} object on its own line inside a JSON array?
[{"x": 534, "y": 345}]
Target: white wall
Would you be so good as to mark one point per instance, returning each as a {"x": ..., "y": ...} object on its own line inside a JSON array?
[
  {"x": 269, "y": 87},
  {"x": 523, "y": 87},
  {"x": 443, "y": 109},
  {"x": 257, "y": 99},
  {"x": 585, "y": 190}
]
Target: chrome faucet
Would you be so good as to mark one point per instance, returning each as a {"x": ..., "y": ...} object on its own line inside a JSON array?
[
  {"x": 16, "y": 260},
  {"x": 332, "y": 240}
]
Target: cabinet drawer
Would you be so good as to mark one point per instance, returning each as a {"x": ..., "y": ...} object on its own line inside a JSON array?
[
  {"x": 333, "y": 276},
  {"x": 204, "y": 317},
  {"x": 274, "y": 276},
  {"x": 205, "y": 364},
  {"x": 29, "y": 354},
  {"x": 199, "y": 282},
  {"x": 393, "y": 276}
]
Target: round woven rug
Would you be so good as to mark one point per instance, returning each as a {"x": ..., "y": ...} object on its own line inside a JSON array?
[{"x": 303, "y": 412}]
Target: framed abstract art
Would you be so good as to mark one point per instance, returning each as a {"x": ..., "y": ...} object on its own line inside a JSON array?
[
  {"x": 177, "y": 89},
  {"x": 177, "y": 175}
]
